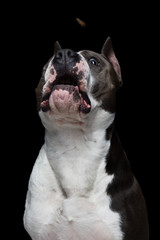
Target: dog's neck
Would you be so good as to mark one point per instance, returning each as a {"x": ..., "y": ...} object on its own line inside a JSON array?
[
  {"x": 92, "y": 129},
  {"x": 79, "y": 151}
]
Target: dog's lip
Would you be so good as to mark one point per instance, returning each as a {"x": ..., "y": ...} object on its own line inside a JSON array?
[{"x": 70, "y": 83}]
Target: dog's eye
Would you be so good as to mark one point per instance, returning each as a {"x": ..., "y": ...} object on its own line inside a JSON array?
[{"x": 93, "y": 61}]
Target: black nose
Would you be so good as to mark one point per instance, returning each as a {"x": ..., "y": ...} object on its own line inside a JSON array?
[{"x": 65, "y": 55}]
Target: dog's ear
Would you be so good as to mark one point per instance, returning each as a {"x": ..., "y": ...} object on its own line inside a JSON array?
[
  {"x": 108, "y": 52},
  {"x": 57, "y": 47}
]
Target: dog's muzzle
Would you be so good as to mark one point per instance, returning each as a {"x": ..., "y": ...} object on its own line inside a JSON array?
[{"x": 66, "y": 87}]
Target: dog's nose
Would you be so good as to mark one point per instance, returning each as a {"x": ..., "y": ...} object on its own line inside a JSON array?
[{"x": 65, "y": 55}]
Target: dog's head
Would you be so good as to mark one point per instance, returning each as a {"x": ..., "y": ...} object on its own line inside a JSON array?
[{"x": 74, "y": 84}]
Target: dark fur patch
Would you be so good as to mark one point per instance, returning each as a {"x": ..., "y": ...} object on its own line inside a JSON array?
[
  {"x": 126, "y": 195},
  {"x": 40, "y": 85},
  {"x": 109, "y": 131},
  {"x": 105, "y": 86}
]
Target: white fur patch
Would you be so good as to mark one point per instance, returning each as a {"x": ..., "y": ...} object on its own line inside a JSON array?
[
  {"x": 50, "y": 215},
  {"x": 67, "y": 197}
]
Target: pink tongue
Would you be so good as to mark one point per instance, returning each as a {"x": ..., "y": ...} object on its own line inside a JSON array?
[{"x": 64, "y": 100}]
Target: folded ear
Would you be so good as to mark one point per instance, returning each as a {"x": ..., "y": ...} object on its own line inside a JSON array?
[
  {"x": 108, "y": 52},
  {"x": 57, "y": 47}
]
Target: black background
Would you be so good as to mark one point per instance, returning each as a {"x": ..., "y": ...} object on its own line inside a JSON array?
[{"x": 29, "y": 35}]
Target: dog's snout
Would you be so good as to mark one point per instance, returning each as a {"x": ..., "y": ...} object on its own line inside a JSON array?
[{"x": 65, "y": 55}]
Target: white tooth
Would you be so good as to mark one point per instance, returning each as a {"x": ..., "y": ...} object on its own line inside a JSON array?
[
  {"x": 87, "y": 105},
  {"x": 76, "y": 87}
]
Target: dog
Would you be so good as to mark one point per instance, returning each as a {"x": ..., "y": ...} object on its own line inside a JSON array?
[{"x": 81, "y": 186}]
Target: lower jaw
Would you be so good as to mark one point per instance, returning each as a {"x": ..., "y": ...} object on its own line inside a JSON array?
[{"x": 66, "y": 98}]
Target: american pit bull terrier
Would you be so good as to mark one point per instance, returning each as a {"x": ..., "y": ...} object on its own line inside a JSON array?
[{"x": 81, "y": 186}]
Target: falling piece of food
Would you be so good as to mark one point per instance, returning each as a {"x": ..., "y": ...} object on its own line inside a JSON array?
[{"x": 81, "y": 23}]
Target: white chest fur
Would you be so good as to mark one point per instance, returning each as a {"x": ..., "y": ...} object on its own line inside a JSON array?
[
  {"x": 49, "y": 215},
  {"x": 67, "y": 197},
  {"x": 75, "y": 158}
]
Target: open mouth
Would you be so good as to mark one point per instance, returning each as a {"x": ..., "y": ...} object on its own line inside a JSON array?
[{"x": 68, "y": 90}]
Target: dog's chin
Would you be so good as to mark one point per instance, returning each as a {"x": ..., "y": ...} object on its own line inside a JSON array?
[{"x": 66, "y": 99}]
